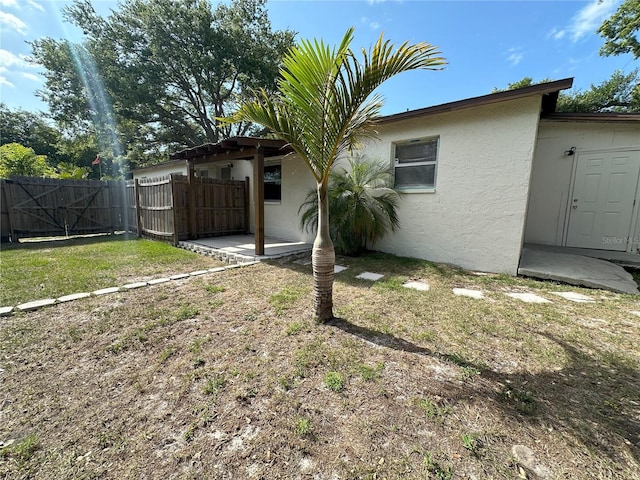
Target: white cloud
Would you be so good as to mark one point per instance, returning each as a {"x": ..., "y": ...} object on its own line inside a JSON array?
[
  {"x": 31, "y": 76},
  {"x": 35, "y": 5},
  {"x": 556, "y": 34},
  {"x": 8, "y": 3},
  {"x": 590, "y": 17},
  {"x": 12, "y": 22},
  {"x": 8, "y": 59},
  {"x": 371, "y": 23},
  {"x": 11, "y": 64},
  {"x": 3, "y": 79},
  {"x": 514, "y": 56}
]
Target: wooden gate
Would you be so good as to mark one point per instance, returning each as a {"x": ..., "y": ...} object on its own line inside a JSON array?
[
  {"x": 173, "y": 208},
  {"x": 37, "y": 207}
]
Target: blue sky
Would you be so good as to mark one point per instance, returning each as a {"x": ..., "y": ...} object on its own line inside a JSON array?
[{"x": 487, "y": 43}]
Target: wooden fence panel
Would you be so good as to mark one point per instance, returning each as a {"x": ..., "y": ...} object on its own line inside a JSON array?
[
  {"x": 220, "y": 207},
  {"x": 53, "y": 207},
  {"x": 158, "y": 208}
]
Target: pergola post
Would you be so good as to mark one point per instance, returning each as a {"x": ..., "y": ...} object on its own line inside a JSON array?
[
  {"x": 191, "y": 182},
  {"x": 258, "y": 200}
]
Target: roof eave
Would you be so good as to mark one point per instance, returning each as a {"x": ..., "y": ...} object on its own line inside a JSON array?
[
  {"x": 548, "y": 90},
  {"x": 592, "y": 117}
]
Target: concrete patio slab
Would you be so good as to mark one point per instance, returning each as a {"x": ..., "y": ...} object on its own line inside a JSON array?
[
  {"x": 528, "y": 297},
  {"x": 575, "y": 297},
  {"x": 370, "y": 276},
  {"x": 467, "y": 292},
  {"x": 420, "y": 286},
  {"x": 575, "y": 270},
  {"x": 241, "y": 248}
]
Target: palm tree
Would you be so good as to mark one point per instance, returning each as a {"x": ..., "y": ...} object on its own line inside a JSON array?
[
  {"x": 361, "y": 205},
  {"x": 324, "y": 107}
]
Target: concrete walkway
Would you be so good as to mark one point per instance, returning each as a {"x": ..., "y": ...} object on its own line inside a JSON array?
[
  {"x": 241, "y": 248},
  {"x": 575, "y": 270}
]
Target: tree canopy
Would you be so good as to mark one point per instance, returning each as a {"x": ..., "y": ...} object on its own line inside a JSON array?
[
  {"x": 16, "y": 159},
  {"x": 621, "y": 30},
  {"x": 620, "y": 93},
  {"x": 157, "y": 73},
  {"x": 29, "y": 129}
]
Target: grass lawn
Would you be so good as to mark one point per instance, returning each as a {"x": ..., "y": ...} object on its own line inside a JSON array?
[
  {"x": 227, "y": 376},
  {"x": 50, "y": 269}
]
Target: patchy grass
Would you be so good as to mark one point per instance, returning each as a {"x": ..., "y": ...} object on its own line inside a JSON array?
[
  {"x": 51, "y": 269},
  {"x": 228, "y": 375}
]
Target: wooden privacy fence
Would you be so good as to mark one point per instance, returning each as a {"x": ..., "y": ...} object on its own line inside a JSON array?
[
  {"x": 171, "y": 208},
  {"x": 36, "y": 207},
  {"x": 178, "y": 207}
]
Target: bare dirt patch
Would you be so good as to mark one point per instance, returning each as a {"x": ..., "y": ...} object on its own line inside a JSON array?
[{"x": 227, "y": 376}]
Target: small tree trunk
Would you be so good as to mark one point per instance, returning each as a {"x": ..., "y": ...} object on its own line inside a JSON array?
[{"x": 323, "y": 259}]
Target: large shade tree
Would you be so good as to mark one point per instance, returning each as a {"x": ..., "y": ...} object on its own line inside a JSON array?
[
  {"x": 155, "y": 74},
  {"x": 324, "y": 107}
]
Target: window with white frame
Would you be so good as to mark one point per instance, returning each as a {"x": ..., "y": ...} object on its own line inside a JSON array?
[{"x": 415, "y": 163}]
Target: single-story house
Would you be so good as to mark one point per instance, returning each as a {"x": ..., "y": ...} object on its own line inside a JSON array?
[{"x": 481, "y": 177}]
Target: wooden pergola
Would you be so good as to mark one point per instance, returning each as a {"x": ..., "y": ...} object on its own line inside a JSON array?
[{"x": 237, "y": 148}]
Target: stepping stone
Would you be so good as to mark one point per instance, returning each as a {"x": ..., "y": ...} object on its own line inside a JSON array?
[
  {"x": 370, "y": 276},
  {"x": 25, "y": 307},
  {"x": 179, "y": 276},
  {"x": 198, "y": 272},
  {"x": 466, "y": 292},
  {"x": 74, "y": 296},
  {"x": 5, "y": 311},
  {"x": 339, "y": 268},
  {"x": 131, "y": 286},
  {"x": 214, "y": 270},
  {"x": 158, "y": 280},
  {"x": 575, "y": 297},
  {"x": 421, "y": 286},
  {"x": 634, "y": 312},
  {"x": 106, "y": 291},
  {"x": 528, "y": 297}
]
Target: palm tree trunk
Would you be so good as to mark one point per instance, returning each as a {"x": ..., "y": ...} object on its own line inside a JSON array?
[{"x": 323, "y": 259}]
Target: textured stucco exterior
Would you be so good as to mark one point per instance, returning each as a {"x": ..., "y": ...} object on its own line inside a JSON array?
[
  {"x": 160, "y": 171},
  {"x": 475, "y": 216},
  {"x": 553, "y": 171}
]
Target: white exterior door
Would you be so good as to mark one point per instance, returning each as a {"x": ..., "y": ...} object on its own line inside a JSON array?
[{"x": 601, "y": 207}]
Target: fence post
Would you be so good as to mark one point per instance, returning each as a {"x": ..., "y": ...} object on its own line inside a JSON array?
[
  {"x": 112, "y": 201},
  {"x": 174, "y": 210},
  {"x": 191, "y": 189},
  {"x": 136, "y": 193},
  {"x": 9, "y": 204},
  {"x": 247, "y": 204}
]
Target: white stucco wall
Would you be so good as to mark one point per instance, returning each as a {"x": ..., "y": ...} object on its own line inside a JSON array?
[
  {"x": 551, "y": 178},
  {"x": 475, "y": 216},
  {"x": 281, "y": 219},
  {"x": 160, "y": 171}
]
